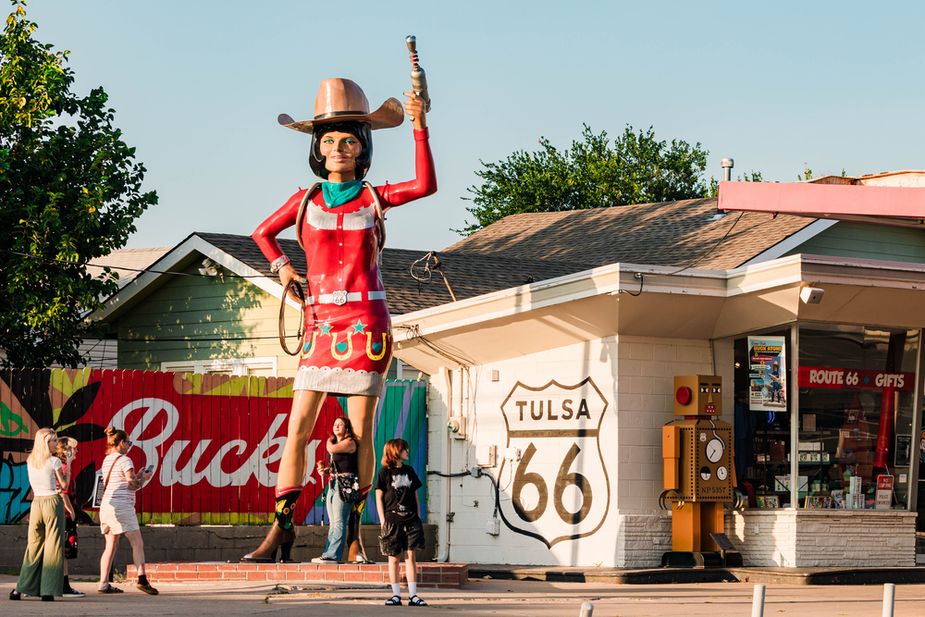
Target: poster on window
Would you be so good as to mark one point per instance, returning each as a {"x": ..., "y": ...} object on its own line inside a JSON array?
[{"x": 767, "y": 369}]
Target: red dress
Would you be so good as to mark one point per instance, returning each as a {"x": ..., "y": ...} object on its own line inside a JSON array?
[{"x": 348, "y": 343}]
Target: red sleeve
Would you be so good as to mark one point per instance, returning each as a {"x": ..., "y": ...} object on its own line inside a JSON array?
[
  {"x": 425, "y": 181},
  {"x": 265, "y": 234}
]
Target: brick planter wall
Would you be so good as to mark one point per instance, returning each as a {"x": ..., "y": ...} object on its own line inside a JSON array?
[{"x": 449, "y": 575}]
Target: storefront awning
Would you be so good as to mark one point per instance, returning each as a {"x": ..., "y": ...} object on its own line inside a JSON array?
[{"x": 884, "y": 205}]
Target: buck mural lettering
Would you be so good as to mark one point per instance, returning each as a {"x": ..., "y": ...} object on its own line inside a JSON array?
[
  {"x": 215, "y": 440},
  {"x": 559, "y": 487}
]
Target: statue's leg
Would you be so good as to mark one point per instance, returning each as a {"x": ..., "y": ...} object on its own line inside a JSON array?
[
  {"x": 291, "y": 476},
  {"x": 362, "y": 411}
]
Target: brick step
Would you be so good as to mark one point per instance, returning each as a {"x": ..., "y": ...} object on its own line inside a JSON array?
[{"x": 446, "y": 575}]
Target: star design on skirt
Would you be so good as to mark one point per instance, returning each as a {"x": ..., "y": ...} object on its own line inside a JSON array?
[
  {"x": 326, "y": 328},
  {"x": 358, "y": 327}
]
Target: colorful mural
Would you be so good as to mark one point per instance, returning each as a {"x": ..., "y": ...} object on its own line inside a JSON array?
[{"x": 215, "y": 440}]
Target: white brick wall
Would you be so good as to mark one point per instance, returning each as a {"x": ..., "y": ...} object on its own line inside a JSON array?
[
  {"x": 644, "y": 538},
  {"x": 645, "y": 384},
  {"x": 821, "y": 538}
]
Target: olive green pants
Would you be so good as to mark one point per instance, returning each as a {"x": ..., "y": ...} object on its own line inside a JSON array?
[{"x": 42, "y": 572}]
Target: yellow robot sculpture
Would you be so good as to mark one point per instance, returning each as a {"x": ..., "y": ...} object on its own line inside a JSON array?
[{"x": 699, "y": 475}]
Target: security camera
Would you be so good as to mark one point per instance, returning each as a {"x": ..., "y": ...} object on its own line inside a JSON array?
[{"x": 811, "y": 295}]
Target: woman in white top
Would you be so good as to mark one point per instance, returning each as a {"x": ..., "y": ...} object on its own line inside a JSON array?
[
  {"x": 42, "y": 572},
  {"x": 117, "y": 510}
]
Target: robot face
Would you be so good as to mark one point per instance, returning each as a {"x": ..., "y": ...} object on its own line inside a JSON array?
[{"x": 698, "y": 395}]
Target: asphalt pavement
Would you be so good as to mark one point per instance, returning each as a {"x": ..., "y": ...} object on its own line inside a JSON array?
[{"x": 479, "y": 598}]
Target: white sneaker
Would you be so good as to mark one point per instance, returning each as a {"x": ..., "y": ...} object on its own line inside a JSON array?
[{"x": 323, "y": 560}]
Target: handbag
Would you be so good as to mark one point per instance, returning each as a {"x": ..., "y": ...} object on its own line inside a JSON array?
[
  {"x": 348, "y": 485},
  {"x": 70, "y": 538}
]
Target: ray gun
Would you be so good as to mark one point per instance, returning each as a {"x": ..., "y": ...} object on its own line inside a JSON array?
[{"x": 418, "y": 77}]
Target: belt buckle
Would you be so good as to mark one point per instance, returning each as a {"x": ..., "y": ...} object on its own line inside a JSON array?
[{"x": 340, "y": 297}]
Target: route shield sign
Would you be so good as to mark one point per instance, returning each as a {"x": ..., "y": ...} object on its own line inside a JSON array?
[{"x": 558, "y": 485}]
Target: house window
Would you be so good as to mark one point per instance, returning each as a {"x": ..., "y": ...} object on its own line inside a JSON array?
[{"x": 258, "y": 367}]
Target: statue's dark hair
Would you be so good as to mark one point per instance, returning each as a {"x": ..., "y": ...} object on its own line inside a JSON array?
[{"x": 360, "y": 130}]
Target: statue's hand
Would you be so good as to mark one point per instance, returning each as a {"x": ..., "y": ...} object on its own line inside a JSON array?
[
  {"x": 414, "y": 107},
  {"x": 288, "y": 273},
  {"x": 739, "y": 500},
  {"x": 666, "y": 498}
]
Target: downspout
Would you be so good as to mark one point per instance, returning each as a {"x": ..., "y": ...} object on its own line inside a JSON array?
[{"x": 443, "y": 531}]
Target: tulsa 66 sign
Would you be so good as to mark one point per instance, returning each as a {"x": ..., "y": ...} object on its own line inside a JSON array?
[{"x": 558, "y": 488}]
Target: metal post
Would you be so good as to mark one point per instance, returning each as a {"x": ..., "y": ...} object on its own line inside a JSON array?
[
  {"x": 758, "y": 601},
  {"x": 587, "y": 609},
  {"x": 889, "y": 594}
]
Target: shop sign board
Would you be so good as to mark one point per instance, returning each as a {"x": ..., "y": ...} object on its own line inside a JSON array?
[
  {"x": 855, "y": 379},
  {"x": 767, "y": 370},
  {"x": 884, "y": 492},
  {"x": 559, "y": 486}
]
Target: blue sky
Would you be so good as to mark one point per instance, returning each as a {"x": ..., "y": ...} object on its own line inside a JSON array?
[{"x": 197, "y": 86}]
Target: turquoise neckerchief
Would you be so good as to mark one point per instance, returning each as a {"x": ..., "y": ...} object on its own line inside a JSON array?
[{"x": 338, "y": 193}]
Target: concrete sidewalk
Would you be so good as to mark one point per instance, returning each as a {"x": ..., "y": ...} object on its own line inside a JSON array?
[{"x": 480, "y": 598}]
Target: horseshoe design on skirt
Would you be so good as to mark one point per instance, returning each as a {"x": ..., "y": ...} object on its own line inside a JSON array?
[
  {"x": 308, "y": 348},
  {"x": 339, "y": 355},
  {"x": 369, "y": 346}
]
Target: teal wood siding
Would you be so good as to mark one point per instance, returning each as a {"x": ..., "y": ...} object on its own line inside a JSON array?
[
  {"x": 199, "y": 318},
  {"x": 867, "y": 241}
]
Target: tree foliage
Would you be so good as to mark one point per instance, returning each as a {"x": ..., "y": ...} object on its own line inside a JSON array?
[
  {"x": 69, "y": 192},
  {"x": 594, "y": 172}
]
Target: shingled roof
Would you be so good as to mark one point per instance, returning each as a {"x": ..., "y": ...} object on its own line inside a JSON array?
[
  {"x": 468, "y": 275},
  {"x": 673, "y": 233}
]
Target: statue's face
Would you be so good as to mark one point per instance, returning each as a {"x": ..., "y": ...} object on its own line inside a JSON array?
[{"x": 340, "y": 152}]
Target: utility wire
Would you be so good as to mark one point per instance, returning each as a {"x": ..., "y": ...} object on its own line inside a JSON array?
[{"x": 227, "y": 274}]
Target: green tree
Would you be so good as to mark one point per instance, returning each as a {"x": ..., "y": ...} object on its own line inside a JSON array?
[
  {"x": 750, "y": 176},
  {"x": 594, "y": 172},
  {"x": 69, "y": 192}
]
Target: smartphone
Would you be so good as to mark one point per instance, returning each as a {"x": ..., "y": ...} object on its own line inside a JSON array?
[{"x": 149, "y": 468}]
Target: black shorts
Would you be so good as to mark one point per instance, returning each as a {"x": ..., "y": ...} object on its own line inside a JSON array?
[{"x": 396, "y": 538}]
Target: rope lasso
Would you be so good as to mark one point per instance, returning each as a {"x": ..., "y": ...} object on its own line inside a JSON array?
[{"x": 296, "y": 288}]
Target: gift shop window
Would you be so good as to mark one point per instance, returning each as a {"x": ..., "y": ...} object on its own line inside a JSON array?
[
  {"x": 762, "y": 418},
  {"x": 856, "y": 395}
]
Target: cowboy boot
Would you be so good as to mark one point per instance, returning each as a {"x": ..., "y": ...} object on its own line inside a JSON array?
[
  {"x": 285, "y": 551},
  {"x": 356, "y": 551},
  {"x": 266, "y": 552}
]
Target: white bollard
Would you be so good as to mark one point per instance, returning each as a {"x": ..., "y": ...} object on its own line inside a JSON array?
[
  {"x": 586, "y": 610},
  {"x": 758, "y": 601},
  {"x": 889, "y": 595}
]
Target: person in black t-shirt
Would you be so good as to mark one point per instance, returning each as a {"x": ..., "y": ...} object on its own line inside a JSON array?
[{"x": 401, "y": 529}]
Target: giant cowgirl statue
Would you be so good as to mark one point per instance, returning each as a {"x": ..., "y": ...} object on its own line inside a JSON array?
[{"x": 347, "y": 344}]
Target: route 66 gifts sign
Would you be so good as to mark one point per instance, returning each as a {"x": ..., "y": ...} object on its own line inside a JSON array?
[{"x": 559, "y": 489}]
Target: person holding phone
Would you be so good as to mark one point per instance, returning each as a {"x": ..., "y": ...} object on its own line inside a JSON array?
[
  {"x": 66, "y": 452},
  {"x": 117, "y": 510}
]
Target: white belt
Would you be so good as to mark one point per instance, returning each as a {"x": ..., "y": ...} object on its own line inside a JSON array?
[{"x": 342, "y": 297}]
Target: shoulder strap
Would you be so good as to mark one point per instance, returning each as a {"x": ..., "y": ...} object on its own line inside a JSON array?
[
  {"x": 109, "y": 475},
  {"x": 380, "y": 215},
  {"x": 300, "y": 217}
]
